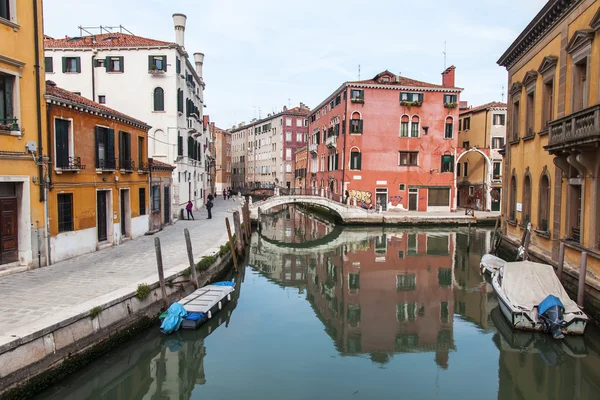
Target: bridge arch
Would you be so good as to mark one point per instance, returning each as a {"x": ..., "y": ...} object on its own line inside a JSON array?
[
  {"x": 339, "y": 210},
  {"x": 488, "y": 175}
]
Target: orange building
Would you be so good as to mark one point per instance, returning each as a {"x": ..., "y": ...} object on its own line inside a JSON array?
[
  {"x": 99, "y": 175},
  {"x": 300, "y": 168},
  {"x": 389, "y": 139},
  {"x": 222, "y": 143},
  {"x": 161, "y": 182}
]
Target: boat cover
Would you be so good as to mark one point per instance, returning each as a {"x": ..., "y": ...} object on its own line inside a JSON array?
[
  {"x": 492, "y": 262},
  {"x": 526, "y": 284},
  {"x": 548, "y": 303}
]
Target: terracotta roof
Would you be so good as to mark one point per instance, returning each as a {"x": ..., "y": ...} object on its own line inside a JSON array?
[
  {"x": 402, "y": 81},
  {"x": 103, "y": 40},
  {"x": 298, "y": 110},
  {"x": 160, "y": 164},
  {"x": 487, "y": 106},
  {"x": 54, "y": 91}
]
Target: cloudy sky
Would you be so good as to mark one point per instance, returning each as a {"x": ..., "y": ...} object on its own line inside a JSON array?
[{"x": 264, "y": 54}]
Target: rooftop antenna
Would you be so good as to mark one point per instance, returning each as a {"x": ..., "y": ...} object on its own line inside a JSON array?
[
  {"x": 502, "y": 93},
  {"x": 289, "y": 103},
  {"x": 258, "y": 112},
  {"x": 445, "y": 54},
  {"x": 359, "y": 72}
]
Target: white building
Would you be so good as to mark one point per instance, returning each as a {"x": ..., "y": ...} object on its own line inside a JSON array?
[{"x": 151, "y": 80}]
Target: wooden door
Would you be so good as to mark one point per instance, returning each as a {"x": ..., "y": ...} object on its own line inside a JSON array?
[
  {"x": 166, "y": 204},
  {"x": 101, "y": 212},
  {"x": 9, "y": 239},
  {"x": 124, "y": 199},
  {"x": 413, "y": 195}
]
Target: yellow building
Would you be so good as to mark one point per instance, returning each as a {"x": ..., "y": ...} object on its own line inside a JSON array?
[
  {"x": 22, "y": 136},
  {"x": 552, "y": 162},
  {"x": 481, "y": 133}
]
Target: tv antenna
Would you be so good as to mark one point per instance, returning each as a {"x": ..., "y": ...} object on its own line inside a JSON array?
[
  {"x": 359, "y": 72},
  {"x": 503, "y": 93},
  {"x": 445, "y": 54}
]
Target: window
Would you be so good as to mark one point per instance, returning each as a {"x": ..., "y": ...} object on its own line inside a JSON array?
[
  {"x": 449, "y": 128},
  {"x": 5, "y": 9},
  {"x": 471, "y": 190},
  {"x": 444, "y": 313},
  {"x": 62, "y": 133},
  {"x": 65, "y": 212},
  {"x": 466, "y": 145},
  {"x": 157, "y": 63},
  {"x": 48, "y": 62},
  {"x": 526, "y": 200},
  {"x": 466, "y": 169},
  {"x": 447, "y": 163},
  {"x": 180, "y": 100},
  {"x": 179, "y": 144},
  {"x": 288, "y": 122},
  {"x": 499, "y": 119},
  {"x": 357, "y": 96},
  {"x": 414, "y": 127},
  {"x": 406, "y": 282},
  {"x": 356, "y": 126},
  {"x": 402, "y": 187},
  {"x": 408, "y": 158},
  {"x": 125, "y": 161},
  {"x": 548, "y": 103},
  {"x": 101, "y": 99},
  {"x": 580, "y": 86},
  {"x": 404, "y": 126},
  {"x": 141, "y": 148},
  {"x": 412, "y": 241},
  {"x": 411, "y": 97},
  {"x": 156, "y": 198},
  {"x": 544, "y": 206},
  {"x": 299, "y": 137},
  {"x": 530, "y": 114},
  {"x": 288, "y": 136},
  {"x": 438, "y": 197},
  {"x": 458, "y": 170},
  {"x": 177, "y": 65},
  {"x": 71, "y": 64},
  {"x": 516, "y": 121},
  {"x": 105, "y": 148},
  {"x": 114, "y": 64},
  {"x": 142, "y": 194},
  {"x": 497, "y": 142},
  {"x": 288, "y": 154},
  {"x": 497, "y": 170},
  {"x": 355, "y": 159},
  {"x": 8, "y": 120},
  {"x": 159, "y": 99},
  {"x": 513, "y": 199},
  {"x": 444, "y": 274},
  {"x": 100, "y": 63},
  {"x": 467, "y": 123},
  {"x": 299, "y": 123},
  {"x": 449, "y": 99},
  {"x": 460, "y": 125}
]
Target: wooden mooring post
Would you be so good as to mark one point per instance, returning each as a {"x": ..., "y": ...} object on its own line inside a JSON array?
[
  {"x": 161, "y": 273},
  {"x": 581, "y": 283},
  {"x": 188, "y": 245},
  {"x": 231, "y": 244},
  {"x": 561, "y": 261},
  {"x": 238, "y": 232},
  {"x": 493, "y": 247},
  {"x": 469, "y": 237},
  {"x": 259, "y": 219}
]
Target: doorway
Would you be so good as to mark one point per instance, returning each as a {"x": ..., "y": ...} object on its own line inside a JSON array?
[
  {"x": 102, "y": 224},
  {"x": 125, "y": 214},
  {"x": 9, "y": 238},
  {"x": 496, "y": 199},
  {"x": 413, "y": 199},
  {"x": 167, "y": 205},
  {"x": 381, "y": 196}
]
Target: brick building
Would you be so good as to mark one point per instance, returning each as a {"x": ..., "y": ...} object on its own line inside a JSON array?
[
  {"x": 222, "y": 146},
  {"x": 300, "y": 168},
  {"x": 387, "y": 140}
]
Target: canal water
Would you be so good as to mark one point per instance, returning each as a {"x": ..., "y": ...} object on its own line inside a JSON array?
[{"x": 323, "y": 312}]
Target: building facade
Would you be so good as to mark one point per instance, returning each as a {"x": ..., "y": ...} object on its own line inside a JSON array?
[
  {"x": 301, "y": 168},
  {"x": 23, "y": 138},
  {"x": 552, "y": 162},
  {"x": 222, "y": 158},
  {"x": 387, "y": 140},
  {"x": 268, "y": 147},
  {"x": 166, "y": 90},
  {"x": 481, "y": 134},
  {"x": 98, "y": 175}
]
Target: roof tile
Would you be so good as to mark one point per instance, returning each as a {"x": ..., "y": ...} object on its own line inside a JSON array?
[{"x": 103, "y": 40}]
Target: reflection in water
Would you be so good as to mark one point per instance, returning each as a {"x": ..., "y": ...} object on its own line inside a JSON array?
[{"x": 400, "y": 313}]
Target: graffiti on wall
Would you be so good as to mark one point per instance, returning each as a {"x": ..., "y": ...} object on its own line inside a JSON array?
[{"x": 361, "y": 196}]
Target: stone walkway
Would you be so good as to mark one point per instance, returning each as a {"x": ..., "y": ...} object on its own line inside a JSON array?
[{"x": 28, "y": 296}]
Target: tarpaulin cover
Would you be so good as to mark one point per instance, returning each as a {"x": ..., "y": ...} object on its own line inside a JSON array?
[
  {"x": 175, "y": 315},
  {"x": 526, "y": 284},
  {"x": 196, "y": 316},
  {"x": 224, "y": 283},
  {"x": 549, "y": 302}
]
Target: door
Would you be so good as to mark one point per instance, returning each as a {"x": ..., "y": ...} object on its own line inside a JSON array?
[
  {"x": 381, "y": 199},
  {"x": 9, "y": 251},
  {"x": 496, "y": 199},
  {"x": 123, "y": 207},
  {"x": 101, "y": 212},
  {"x": 413, "y": 196},
  {"x": 167, "y": 205}
]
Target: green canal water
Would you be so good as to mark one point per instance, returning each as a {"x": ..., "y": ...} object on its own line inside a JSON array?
[{"x": 323, "y": 312}]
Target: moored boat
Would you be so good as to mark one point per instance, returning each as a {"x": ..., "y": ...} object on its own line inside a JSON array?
[
  {"x": 525, "y": 288},
  {"x": 489, "y": 264}
]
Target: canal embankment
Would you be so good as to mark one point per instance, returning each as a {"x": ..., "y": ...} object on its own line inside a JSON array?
[{"x": 37, "y": 353}]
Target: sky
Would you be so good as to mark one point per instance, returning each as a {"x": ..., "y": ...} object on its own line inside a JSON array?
[{"x": 261, "y": 55}]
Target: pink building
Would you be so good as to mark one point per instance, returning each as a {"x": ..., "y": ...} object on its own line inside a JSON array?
[{"x": 389, "y": 139}]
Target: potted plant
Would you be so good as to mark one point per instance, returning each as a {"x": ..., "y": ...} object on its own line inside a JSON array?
[{"x": 450, "y": 105}]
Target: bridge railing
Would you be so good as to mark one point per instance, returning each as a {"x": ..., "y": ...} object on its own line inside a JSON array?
[{"x": 338, "y": 198}]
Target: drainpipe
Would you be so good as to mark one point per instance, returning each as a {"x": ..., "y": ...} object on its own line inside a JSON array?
[
  {"x": 38, "y": 91},
  {"x": 94, "y": 75},
  {"x": 48, "y": 187}
]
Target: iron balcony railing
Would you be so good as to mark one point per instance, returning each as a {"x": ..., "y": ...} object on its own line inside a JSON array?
[
  {"x": 73, "y": 164},
  {"x": 107, "y": 164},
  {"x": 9, "y": 124},
  {"x": 127, "y": 165},
  {"x": 144, "y": 167},
  {"x": 579, "y": 128}
]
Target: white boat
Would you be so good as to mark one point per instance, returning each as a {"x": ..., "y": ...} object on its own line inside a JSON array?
[
  {"x": 489, "y": 264},
  {"x": 522, "y": 286}
]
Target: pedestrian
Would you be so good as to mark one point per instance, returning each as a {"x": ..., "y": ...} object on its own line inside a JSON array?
[
  {"x": 210, "y": 197},
  {"x": 224, "y": 194},
  {"x": 229, "y": 193},
  {"x": 209, "y": 206},
  {"x": 346, "y": 196},
  {"x": 189, "y": 208}
]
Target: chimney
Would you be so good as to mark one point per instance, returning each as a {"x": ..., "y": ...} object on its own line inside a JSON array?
[
  {"x": 179, "y": 22},
  {"x": 199, "y": 59},
  {"x": 448, "y": 76}
]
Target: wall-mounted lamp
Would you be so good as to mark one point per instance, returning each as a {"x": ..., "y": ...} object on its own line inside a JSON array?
[
  {"x": 426, "y": 128},
  {"x": 104, "y": 179}
]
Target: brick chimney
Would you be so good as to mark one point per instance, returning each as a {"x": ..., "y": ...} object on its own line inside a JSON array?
[
  {"x": 448, "y": 77},
  {"x": 179, "y": 22}
]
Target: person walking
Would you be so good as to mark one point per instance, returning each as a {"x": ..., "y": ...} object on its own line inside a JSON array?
[
  {"x": 209, "y": 206},
  {"x": 189, "y": 207},
  {"x": 346, "y": 197},
  {"x": 229, "y": 193},
  {"x": 224, "y": 194}
]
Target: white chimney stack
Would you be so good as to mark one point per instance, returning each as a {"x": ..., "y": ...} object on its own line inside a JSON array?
[
  {"x": 179, "y": 22},
  {"x": 199, "y": 60}
]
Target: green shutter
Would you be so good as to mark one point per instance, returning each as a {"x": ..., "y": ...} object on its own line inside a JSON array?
[
  {"x": 164, "y": 58},
  {"x": 122, "y": 62},
  {"x": 360, "y": 126},
  {"x": 98, "y": 133},
  {"x": 150, "y": 63},
  {"x": 64, "y": 64},
  {"x": 107, "y": 64},
  {"x": 49, "y": 64},
  {"x": 110, "y": 148},
  {"x": 178, "y": 65},
  {"x": 78, "y": 61},
  {"x": 359, "y": 161}
]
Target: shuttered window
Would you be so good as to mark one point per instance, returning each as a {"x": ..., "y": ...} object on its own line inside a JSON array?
[
  {"x": 125, "y": 151},
  {"x": 105, "y": 148},
  {"x": 6, "y": 101},
  {"x": 159, "y": 99},
  {"x": 49, "y": 64},
  {"x": 355, "y": 160},
  {"x": 61, "y": 134},
  {"x": 179, "y": 145},
  {"x": 114, "y": 64},
  {"x": 71, "y": 64},
  {"x": 157, "y": 63},
  {"x": 447, "y": 163},
  {"x": 142, "y": 194},
  {"x": 180, "y": 100}
]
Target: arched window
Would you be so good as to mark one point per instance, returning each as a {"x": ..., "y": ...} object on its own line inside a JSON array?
[
  {"x": 526, "y": 200},
  {"x": 159, "y": 99},
  {"x": 513, "y": 199},
  {"x": 448, "y": 132},
  {"x": 544, "y": 206},
  {"x": 414, "y": 126},
  {"x": 355, "y": 159},
  {"x": 404, "y": 122},
  {"x": 356, "y": 123}
]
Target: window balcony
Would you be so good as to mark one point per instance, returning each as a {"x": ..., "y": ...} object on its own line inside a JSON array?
[
  {"x": 143, "y": 168},
  {"x": 580, "y": 129},
  {"x": 359, "y": 100},
  {"x": 313, "y": 148},
  {"x": 9, "y": 124},
  {"x": 73, "y": 165},
  {"x": 331, "y": 142},
  {"x": 156, "y": 72},
  {"x": 106, "y": 164},
  {"x": 127, "y": 165}
]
